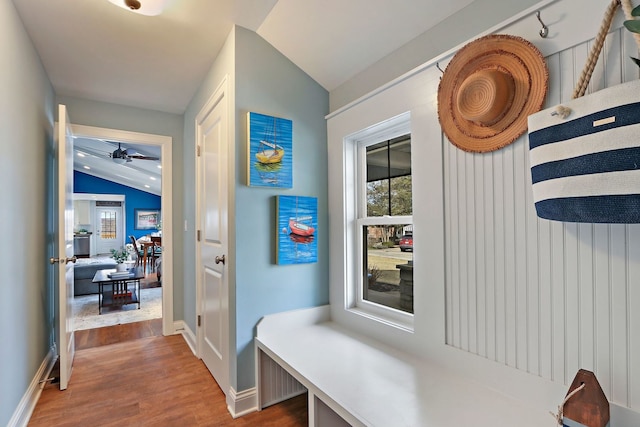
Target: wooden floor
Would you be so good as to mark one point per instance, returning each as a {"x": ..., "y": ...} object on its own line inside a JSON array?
[
  {"x": 98, "y": 337},
  {"x": 130, "y": 375}
]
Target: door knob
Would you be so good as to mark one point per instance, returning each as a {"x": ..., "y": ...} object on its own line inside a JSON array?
[
  {"x": 220, "y": 259},
  {"x": 53, "y": 260}
]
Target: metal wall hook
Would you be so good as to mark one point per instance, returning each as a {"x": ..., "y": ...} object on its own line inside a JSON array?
[
  {"x": 544, "y": 32},
  {"x": 438, "y": 67}
]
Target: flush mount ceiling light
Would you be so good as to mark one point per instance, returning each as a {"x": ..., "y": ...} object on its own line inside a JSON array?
[{"x": 143, "y": 7}]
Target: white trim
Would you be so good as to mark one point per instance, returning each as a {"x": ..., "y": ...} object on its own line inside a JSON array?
[
  {"x": 28, "y": 402},
  {"x": 243, "y": 402},
  {"x": 181, "y": 327},
  {"x": 438, "y": 58},
  {"x": 165, "y": 143},
  {"x": 102, "y": 197},
  {"x": 355, "y": 217},
  {"x": 219, "y": 96}
]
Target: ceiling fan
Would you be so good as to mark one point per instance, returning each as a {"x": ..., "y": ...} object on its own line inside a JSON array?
[{"x": 121, "y": 156}]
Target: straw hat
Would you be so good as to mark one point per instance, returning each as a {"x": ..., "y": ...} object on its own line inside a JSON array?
[{"x": 487, "y": 91}]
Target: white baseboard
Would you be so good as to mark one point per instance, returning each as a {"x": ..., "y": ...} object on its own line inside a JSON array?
[
  {"x": 181, "y": 327},
  {"x": 28, "y": 402},
  {"x": 243, "y": 402},
  {"x": 238, "y": 403}
]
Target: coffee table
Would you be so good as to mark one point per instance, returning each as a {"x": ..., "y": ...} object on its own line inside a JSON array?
[{"x": 117, "y": 291}]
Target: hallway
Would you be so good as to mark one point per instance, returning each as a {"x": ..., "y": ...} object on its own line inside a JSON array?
[{"x": 130, "y": 375}]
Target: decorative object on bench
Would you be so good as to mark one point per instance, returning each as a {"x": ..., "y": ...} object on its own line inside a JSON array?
[
  {"x": 585, "y": 404},
  {"x": 487, "y": 91},
  {"x": 585, "y": 153}
]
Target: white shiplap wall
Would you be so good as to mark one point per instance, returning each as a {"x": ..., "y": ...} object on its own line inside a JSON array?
[{"x": 544, "y": 297}]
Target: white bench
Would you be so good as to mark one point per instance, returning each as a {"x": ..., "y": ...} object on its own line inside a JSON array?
[{"x": 353, "y": 380}]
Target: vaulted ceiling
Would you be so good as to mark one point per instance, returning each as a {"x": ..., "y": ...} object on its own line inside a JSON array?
[
  {"x": 92, "y": 49},
  {"x": 94, "y": 157}
]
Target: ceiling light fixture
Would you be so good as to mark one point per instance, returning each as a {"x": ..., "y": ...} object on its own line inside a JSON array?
[
  {"x": 143, "y": 7},
  {"x": 133, "y": 4}
]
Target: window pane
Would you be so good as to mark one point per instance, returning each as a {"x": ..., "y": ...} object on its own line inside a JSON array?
[
  {"x": 378, "y": 198},
  {"x": 108, "y": 225},
  {"x": 388, "y": 266},
  {"x": 401, "y": 196},
  {"x": 389, "y": 177}
]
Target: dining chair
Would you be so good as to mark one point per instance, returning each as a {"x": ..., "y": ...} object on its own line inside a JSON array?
[
  {"x": 139, "y": 253},
  {"x": 156, "y": 250}
]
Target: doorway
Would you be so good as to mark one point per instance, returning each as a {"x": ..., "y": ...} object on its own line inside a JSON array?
[
  {"x": 109, "y": 228},
  {"x": 165, "y": 145}
]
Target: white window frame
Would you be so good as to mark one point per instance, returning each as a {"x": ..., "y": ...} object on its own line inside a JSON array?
[{"x": 356, "y": 218}]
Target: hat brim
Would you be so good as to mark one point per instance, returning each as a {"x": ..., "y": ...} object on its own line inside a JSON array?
[{"x": 510, "y": 54}]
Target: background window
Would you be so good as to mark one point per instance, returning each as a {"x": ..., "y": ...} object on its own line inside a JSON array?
[{"x": 386, "y": 225}]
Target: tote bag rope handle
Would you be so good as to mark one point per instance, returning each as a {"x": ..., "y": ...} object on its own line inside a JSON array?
[{"x": 592, "y": 59}]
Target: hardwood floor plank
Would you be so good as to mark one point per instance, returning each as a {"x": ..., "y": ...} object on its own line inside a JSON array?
[
  {"x": 128, "y": 375},
  {"x": 114, "y": 334}
]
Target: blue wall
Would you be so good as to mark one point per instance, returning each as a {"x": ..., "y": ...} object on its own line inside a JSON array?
[
  {"x": 134, "y": 199},
  {"x": 279, "y": 88}
]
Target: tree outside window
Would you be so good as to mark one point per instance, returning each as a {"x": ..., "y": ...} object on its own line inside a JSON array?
[{"x": 387, "y": 221}]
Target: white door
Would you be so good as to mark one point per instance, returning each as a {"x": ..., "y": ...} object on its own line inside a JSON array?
[
  {"x": 213, "y": 334},
  {"x": 64, "y": 237},
  {"x": 108, "y": 229}
]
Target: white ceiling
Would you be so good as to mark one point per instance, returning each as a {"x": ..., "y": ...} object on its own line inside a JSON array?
[
  {"x": 92, "y": 156},
  {"x": 92, "y": 49}
]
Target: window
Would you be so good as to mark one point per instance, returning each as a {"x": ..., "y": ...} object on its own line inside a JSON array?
[
  {"x": 385, "y": 226},
  {"x": 108, "y": 224}
]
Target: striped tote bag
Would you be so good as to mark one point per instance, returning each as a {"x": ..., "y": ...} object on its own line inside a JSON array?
[
  {"x": 585, "y": 154},
  {"x": 587, "y": 168}
]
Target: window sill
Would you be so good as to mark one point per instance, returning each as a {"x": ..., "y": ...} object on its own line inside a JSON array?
[{"x": 389, "y": 317}]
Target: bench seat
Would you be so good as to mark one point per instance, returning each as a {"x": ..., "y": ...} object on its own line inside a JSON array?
[{"x": 368, "y": 383}]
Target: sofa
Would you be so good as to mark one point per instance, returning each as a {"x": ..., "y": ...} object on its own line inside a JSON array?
[{"x": 83, "y": 276}]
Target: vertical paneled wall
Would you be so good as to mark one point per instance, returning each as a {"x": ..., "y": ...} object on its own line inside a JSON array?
[{"x": 544, "y": 297}]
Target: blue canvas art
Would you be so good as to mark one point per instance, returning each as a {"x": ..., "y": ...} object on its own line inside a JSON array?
[
  {"x": 270, "y": 151},
  {"x": 297, "y": 230}
]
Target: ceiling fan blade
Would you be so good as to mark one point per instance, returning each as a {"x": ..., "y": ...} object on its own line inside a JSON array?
[{"x": 141, "y": 157}]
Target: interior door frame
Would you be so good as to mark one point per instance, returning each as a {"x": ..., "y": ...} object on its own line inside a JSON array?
[{"x": 165, "y": 143}]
